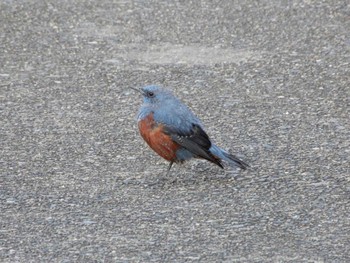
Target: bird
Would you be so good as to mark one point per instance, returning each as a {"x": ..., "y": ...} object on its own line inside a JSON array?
[{"x": 175, "y": 133}]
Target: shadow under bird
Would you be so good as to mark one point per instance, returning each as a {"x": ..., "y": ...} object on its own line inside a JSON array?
[{"x": 171, "y": 129}]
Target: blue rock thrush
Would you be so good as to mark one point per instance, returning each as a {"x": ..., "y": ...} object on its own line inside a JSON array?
[{"x": 171, "y": 129}]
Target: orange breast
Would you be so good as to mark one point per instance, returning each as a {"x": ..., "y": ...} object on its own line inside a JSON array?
[{"x": 160, "y": 142}]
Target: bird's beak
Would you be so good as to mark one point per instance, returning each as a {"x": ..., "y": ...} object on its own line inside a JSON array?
[{"x": 138, "y": 90}]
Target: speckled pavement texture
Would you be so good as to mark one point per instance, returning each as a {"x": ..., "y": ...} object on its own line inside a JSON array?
[{"x": 270, "y": 81}]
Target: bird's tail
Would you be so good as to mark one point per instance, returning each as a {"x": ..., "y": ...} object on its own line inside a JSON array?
[{"x": 227, "y": 157}]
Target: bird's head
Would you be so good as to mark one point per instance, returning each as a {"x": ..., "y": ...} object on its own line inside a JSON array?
[{"x": 154, "y": 94}]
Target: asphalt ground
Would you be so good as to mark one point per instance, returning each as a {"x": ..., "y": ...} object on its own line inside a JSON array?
[{"x": 270, "y": 81}]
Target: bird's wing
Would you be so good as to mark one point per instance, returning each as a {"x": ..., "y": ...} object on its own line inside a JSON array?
[
  {"x": 185, "y": 129},
  {"x": 194, "y": 140}
]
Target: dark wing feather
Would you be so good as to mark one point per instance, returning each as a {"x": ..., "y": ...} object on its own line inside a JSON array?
[{"x": 195, "y": 140}]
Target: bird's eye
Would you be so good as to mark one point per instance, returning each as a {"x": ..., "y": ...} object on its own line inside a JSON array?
[{"x": 150, "y": 94}]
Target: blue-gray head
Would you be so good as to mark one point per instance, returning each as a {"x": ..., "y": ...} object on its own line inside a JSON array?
[{"x": 153, "y": 94}]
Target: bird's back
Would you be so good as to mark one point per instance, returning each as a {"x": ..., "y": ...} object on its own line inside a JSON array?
[{"x": 175, "y": 114}]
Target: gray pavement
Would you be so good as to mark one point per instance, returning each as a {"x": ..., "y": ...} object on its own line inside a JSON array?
[{"x": 270, "y": 81}]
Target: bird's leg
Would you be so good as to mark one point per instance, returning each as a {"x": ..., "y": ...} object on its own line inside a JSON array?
[
  {"x": 171, "y": 164},
  {"x": 162, "y": 178}
]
